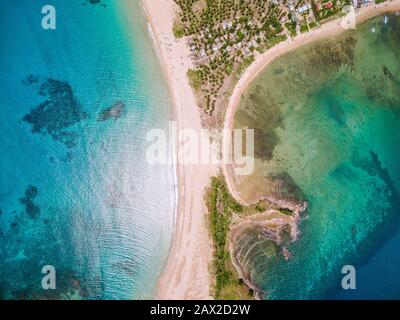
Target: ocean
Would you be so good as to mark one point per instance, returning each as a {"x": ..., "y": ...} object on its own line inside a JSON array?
[
  {"x": 327, "y": 125},
  {"x": 76, "y": 191}
]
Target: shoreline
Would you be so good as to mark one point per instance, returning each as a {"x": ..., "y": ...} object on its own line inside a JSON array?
[
  {"x": 186, "y": 272},
  {"x": 270, "y": 220},
  {"x": 249, "y": 75},
  {"x": 328, "y": 29}
]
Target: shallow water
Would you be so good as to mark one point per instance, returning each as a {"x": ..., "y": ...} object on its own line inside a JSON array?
[
  {"x": 327, "y": 120},
  {"x": 75, "y": 189}
]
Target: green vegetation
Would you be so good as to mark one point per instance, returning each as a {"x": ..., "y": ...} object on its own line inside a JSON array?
[
  {"x": 275, "y": 40},
  {"x": 291, "y": 27},
  {"x": 223, "y": 34},
  {"x": 286, "y": 211},
  {"x": 315, "y": 10},
  {"x": 221, "y": 206},
  {"x": 329, "y": 9},
  {"x": 304, "y": 28},
  {"x": 260, "y": 208},
  {"x": 312, "y": 25},
  {"x": 178, "y": 29},
  {"x": 243, "y": 66},
  {"x": 194, "y": 78}
]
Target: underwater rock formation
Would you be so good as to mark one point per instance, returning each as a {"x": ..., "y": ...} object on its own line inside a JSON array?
[
  {"x": 27, "y": 201},
  {"x": 60, "y": 111},
  {"x": 113, "y": 112}
]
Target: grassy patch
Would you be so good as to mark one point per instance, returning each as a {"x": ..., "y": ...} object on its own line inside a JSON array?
[
  {"x": 221, "y": 206},
  {"x": 259, "y": 208},
  {"x": 194, "y": 78},
  {"x": 286, "y": 211},
  {"x": 312, "y": 25},
  {"x": 304, "y": 28},
  {"x": 244, "y": 65},
  {"x": 178, "y": 29},
  {"x": 291, "y": 27}
]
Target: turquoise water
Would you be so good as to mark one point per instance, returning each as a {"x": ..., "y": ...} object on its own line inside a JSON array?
[
  {"x": 75, "y": 189},
  {"x": 331, "y": 131}
]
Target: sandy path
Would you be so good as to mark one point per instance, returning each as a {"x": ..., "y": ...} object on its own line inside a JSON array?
[{"x": 186, "y": 274}]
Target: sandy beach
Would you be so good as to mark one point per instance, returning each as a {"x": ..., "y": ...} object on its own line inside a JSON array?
[
  {"x": 328, "y": 29},
  {"x": 186, "y": 274}
]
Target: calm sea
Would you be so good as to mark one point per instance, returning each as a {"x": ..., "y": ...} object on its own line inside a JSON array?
[
  {"x": 76, "y": 191},
  {"x": 327, "y": 118}
]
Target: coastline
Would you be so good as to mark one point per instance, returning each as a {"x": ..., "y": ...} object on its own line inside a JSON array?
[
  {"x": 328, "y": 29},
  {"x": 262, "y": 61},
  {"x": 186, "y": 273},
  {"x": 271, "y": 221}
]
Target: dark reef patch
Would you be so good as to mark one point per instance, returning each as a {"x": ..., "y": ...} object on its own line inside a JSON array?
[
  {"x": 31, "y": 192},
  {"x": 262, "y": 107},
  {"x": 27, "y": 201},
  {"x": 387, "y": 73},
  {"x": 31, "y": 79},
  {"x": 113, "y": 112},
  {"x": 332, "y": 105},
  {"x": 264, "y": 120},
  {"x": 384, "y": 175},
  {"x": 333, "y": 54},
  {"x": 60, "y": 111},
  {"x": 69, "y": 286},
  {"x": 96, "y": 2},
  {"x": 283, "y": 186}
]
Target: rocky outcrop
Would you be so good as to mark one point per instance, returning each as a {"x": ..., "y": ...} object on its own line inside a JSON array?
[{"x": 272, "y": 225}]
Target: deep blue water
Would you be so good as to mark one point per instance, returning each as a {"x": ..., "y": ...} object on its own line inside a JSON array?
[{"x": 75, "y": 189}]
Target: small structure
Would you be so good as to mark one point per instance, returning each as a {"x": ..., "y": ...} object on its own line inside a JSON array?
[{"x": 304, "y": 8}]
